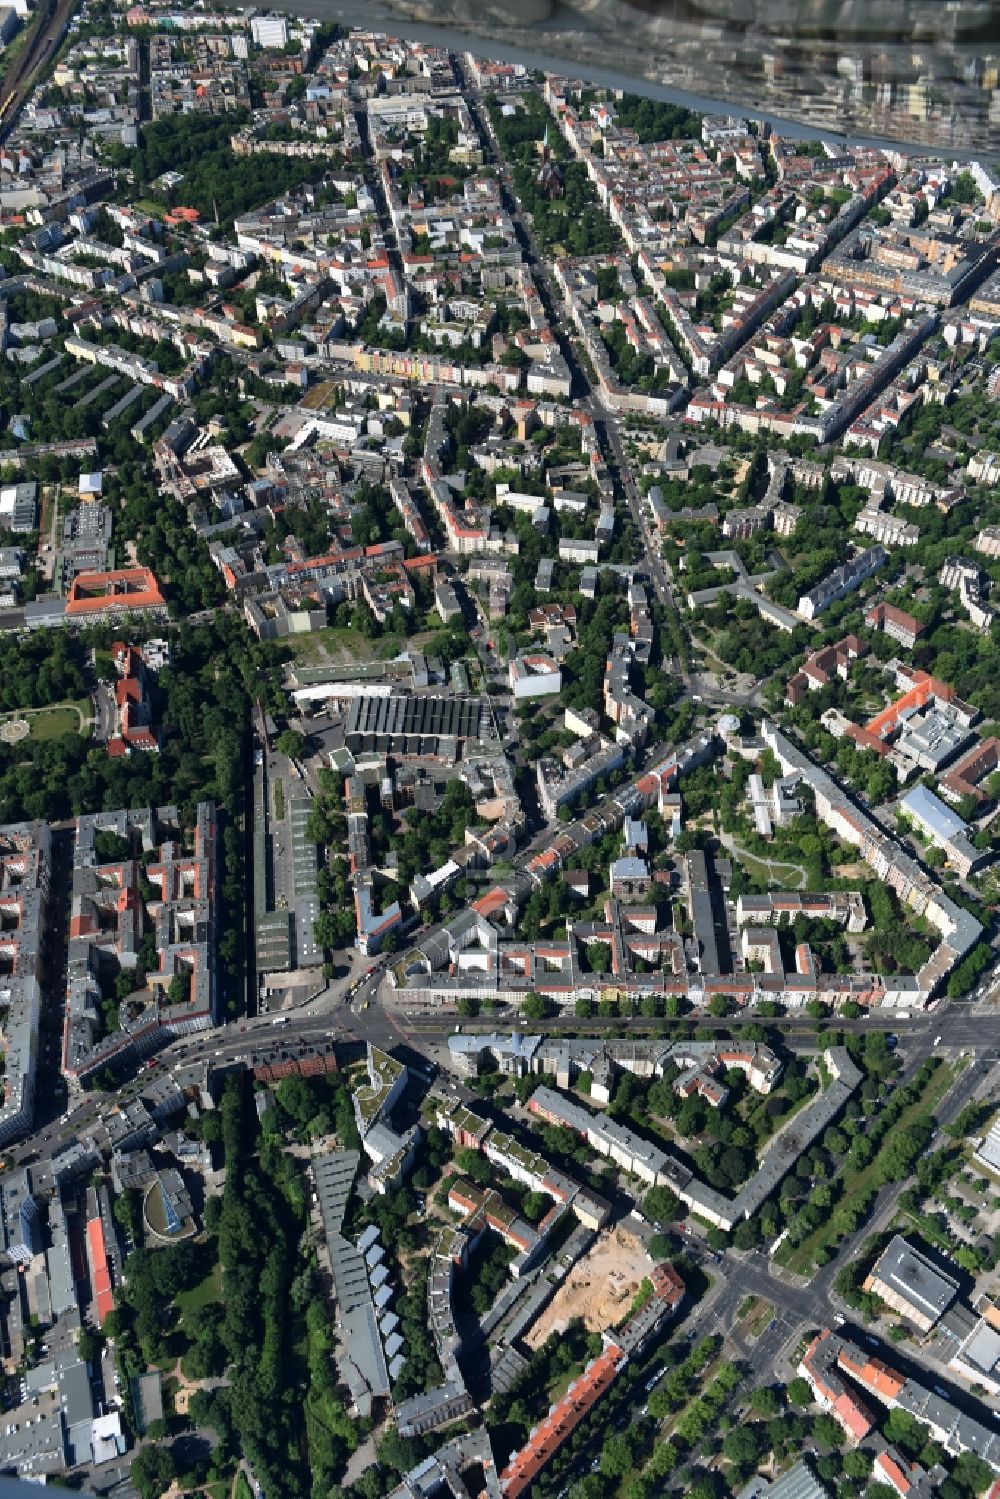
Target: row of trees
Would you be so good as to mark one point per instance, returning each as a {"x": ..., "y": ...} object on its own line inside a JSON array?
[{"x": 885, "y": 1152}]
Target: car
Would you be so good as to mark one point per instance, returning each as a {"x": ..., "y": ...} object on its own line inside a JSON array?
[{"x": 839, "y": 1320}]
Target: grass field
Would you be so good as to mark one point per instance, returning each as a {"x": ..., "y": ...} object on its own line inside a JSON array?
[
  {"x": 857, "y": 1183},
  {"x": 53, "y": 723},
  {"x": 201, "y": 1295},
  {"x": 320, "y": 396},
  {"x": 333, "y": 645},
  {"x": 764, "y": 870}
]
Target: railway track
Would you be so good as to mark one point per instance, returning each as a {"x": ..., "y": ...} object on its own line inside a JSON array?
[{"x": 43, "y": 39}]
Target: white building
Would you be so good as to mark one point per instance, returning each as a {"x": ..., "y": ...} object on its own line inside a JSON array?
[
  {"x": 269, "y": 31},
  {"x": 534, "y": 676}
]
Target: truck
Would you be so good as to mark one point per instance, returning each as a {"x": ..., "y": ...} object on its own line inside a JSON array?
[{"x": 280, "y": 1020}]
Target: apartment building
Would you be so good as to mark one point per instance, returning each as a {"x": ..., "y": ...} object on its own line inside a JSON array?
[
  {"x": 25, "y": 868},
  {"x": 841, "y": 581},
  {"x": 174, "y": 986},
  {"x": 895, "y": 623}
]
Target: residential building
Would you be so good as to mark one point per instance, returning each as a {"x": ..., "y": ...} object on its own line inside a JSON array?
[
  {"x": 944, "y": 828},
  {"x": 25, "y": 869},
  {"x": 841, "y": 581},
  {"x": 896, "y": 623},
  {"x": 534, "y": 676}
]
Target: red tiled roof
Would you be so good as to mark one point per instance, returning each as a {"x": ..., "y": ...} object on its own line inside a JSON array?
[
  {"x": 128, "y": 587},
  {"x": 493, "y": 900},
  {"x": 893, "y": 1473},
  {"x": 525, "y": 1465},
  {"x": 103, "y": 1293},
  {"x": 852, "y": 1416}
]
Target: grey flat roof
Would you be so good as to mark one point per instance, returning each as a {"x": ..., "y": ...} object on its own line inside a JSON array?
[
  {"x": 363, "y": 1365},
  {"x": 933, "y": 812},
  {"x": 798, "y": 1483},
  {"x": 916, "y": 1278}
]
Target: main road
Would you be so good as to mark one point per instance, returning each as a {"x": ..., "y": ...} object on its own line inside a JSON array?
[{"x": 352, "y": 1019}]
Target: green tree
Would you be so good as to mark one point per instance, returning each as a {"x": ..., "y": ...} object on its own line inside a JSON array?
[
  {"x": 616, "y": 1456},
  {"x": 291, "y": 743},
  {"x": 660, "y": 1205},
  {"x": 765, "y": 1401},
  {"x": 537, "y": 1006},
  {"x": 598, "y": 957},
  {"x": 179, "y": 988},
  {"x": 742, "y": 1446},
  {"x": 828, "y": 1431},
  {"x": 89, "y": 1345},
  {"x": 153, "y": 1470}
]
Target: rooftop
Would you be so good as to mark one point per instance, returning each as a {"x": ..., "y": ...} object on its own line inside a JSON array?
[{"x": 915, "y": 1278}]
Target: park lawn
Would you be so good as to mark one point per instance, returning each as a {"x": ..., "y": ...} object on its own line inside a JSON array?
[
  {"x": 860, "y": 1182},
  {"x": 558, "y": 1389},
  {"x": 222, "y": 1489},
  {"x": 388, "y": 647},
  {"x": 340, "y": 646},
  {"x": 762, "y": 870},
  {"x": 201, "y": 1295},
  {"x": 53, "y": 723}
]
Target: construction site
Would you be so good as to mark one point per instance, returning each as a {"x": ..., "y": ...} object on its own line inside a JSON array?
[{"x": 599, "y": 1289}]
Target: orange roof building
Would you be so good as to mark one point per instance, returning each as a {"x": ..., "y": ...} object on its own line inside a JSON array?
[
  {"x": 132, "y": 704},
  {"x": 895, "y": 1470},
  {"x": 821, "y": 1365},
  {"x": 103, "y": 596},
  {"x": 100, "y": 1275},
  {"x": 562, "y": 1420}
]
